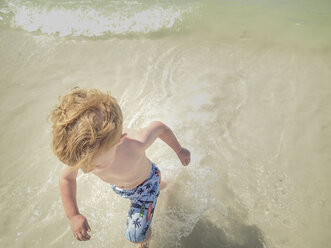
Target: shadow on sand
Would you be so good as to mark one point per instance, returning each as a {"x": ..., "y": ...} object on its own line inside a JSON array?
[
  {"x": 217, "y": 227},
  {"x": 207, "y": 234}
]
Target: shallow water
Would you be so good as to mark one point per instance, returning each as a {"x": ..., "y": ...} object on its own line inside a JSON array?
[{"x": 245, "y": 85}]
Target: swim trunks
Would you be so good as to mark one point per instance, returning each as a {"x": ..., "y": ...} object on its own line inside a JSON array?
[{"x": 143, "y": 200}]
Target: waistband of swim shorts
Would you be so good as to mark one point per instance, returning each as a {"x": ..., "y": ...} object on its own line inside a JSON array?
[{"x": 153, "y": 171}]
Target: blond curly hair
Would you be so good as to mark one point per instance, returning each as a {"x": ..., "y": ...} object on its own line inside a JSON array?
[{"x": 85, "y": 122}]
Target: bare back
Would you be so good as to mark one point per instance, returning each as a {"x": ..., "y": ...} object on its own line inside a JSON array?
[{"x": 126, "y": 164}]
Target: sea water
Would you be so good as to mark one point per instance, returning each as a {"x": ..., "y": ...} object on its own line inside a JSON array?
[{"x": 245, "y": 86}]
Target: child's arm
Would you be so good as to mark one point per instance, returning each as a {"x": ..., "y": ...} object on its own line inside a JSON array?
[
  {"x": 68, "y": 185},
  {"x": 157, "y": 129}
]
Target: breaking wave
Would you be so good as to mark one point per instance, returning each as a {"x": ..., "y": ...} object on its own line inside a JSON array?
[{"x": 95, "y": 18}]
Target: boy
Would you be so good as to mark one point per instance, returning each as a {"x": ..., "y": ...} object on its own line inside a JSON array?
[{"x": 87, "y": 135}]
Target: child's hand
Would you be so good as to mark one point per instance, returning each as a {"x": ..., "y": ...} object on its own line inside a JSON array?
[
  {"x": 79, "y": 227},
  {"x": 184, "y": 156}
]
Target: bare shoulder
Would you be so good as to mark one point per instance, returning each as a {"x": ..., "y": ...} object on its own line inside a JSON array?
[
  {"x": 142, "y": 133},
  {"x": 148, "y": 134},
  {"x": 132, "y": 133}
]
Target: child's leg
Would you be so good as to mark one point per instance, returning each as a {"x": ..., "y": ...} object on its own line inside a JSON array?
[
  {"x": 143, "y": 203},
  {"x": 145, "y": 243},
  {"x": 163, "y": 184}
]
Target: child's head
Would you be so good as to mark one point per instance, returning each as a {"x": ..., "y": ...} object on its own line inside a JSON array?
[{"x": 85, "y": 123}]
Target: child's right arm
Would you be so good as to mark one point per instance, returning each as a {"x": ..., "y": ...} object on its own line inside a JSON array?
[
  {"x": 68, "y": 185},
  {"x": 157, "y": 129}
]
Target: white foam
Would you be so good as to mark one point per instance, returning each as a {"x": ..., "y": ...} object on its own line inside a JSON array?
[
  {"x": 4, "y": 11},
  {"x": 95, "y": 22}
]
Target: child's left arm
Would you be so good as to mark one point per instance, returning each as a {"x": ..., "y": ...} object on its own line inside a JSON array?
[{"x": 157, "y": 129}]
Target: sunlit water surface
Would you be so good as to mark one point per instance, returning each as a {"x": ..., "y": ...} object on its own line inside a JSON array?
[{"x": 245, "y": 85}]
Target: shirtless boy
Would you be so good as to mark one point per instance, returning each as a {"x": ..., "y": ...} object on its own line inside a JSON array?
[{"x": 87, "y": 135}]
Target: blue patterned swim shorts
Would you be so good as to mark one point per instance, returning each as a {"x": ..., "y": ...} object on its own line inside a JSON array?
[{"x": 143, "y": 200}]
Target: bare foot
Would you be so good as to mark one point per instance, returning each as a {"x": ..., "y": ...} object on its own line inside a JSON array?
[
  {"x": 144, "y": 245},
  {"x": 163, "y": 184}
]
